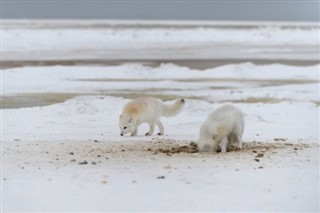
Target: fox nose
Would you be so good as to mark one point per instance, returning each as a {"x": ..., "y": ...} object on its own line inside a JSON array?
[{"x": 121, "y": 134}]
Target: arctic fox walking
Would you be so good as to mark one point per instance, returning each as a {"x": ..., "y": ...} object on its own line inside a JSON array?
[
  {"x": 224, "y": 128},
  {"x": 147, "y": 110}
]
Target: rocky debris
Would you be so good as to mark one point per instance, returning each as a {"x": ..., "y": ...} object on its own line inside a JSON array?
[
  {"x": 83, "y": 162},
  {"x": 190, "y": 148},
  {"x": 280, "y": 139},
  {"x": 259, "y": 155}
]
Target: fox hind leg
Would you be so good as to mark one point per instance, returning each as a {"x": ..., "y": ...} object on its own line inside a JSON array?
[
  {"x": 161, "y": 131},
  {"x": 151, "y": 125}
]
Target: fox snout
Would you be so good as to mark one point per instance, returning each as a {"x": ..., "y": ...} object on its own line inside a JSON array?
[{"x": 121, "y": 134}]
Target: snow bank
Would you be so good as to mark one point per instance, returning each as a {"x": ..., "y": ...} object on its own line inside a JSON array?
[{"x": 280, "y": 101}]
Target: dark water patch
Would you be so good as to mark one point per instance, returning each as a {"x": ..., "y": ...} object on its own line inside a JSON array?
[
  {"x": 33, "y": 100},
  {"x": 317, "y": 103},
  {"x": 258, "y": 100},
  {"x": 200, "y": 64},
  {"x": 259, "y": 82},
  {"x": 164, "y": 97},
  {"x": 150, "y": 24}
]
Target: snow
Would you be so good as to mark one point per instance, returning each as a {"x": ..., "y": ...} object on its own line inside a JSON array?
[
  {"x": 55, "y": 117},
  {"x": 114, "y": 41}
]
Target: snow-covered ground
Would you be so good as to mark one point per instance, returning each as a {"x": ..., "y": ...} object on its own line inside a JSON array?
[{"x": 61, "y": 148}]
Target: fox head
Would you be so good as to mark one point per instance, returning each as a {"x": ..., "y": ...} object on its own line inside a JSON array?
[{"x": 126, "y": 124}]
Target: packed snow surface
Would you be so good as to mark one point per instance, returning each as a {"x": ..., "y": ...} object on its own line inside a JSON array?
[{"x": 68, "y": 155}]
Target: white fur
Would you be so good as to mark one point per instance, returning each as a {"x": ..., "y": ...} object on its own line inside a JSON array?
[
  {"x": 147, "y": 110},
  {"x": 224, "y": 127}
]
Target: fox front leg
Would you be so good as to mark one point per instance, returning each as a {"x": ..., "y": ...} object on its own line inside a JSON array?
[
  {"x": 223, "y": 144},
  {"x": 134, "y": 133}
]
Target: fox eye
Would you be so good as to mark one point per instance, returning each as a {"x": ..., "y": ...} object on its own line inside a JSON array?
[{"x": 124, "y": 127}]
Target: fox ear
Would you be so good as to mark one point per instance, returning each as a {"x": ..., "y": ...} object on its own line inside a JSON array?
[{"x": 130, "y": 119}]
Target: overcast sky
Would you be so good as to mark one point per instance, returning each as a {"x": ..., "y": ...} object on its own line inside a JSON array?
[{"x": 254, "y": 10}]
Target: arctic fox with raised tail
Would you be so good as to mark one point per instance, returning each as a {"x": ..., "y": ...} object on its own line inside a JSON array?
[
  {"x": 147, "y": 110},
  {"x": 224, "y": 127}
]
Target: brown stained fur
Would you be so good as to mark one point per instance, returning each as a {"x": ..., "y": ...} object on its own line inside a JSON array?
[
  {"x": 221, "y": 131},
  {"x": 134, "y": 108}
]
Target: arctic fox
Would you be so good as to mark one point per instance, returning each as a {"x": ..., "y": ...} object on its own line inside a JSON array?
[
  {"x": 224, "y": 128},
  {"x": 147, "y": 110}
]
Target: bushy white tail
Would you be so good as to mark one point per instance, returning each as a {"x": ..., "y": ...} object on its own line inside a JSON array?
[{"x": 174, "y": 108}]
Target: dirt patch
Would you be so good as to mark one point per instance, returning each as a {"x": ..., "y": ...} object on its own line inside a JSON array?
[
  {"x": 91, "y": 153},
  {"x": 190, "y": 148},
  {"x": 255, "y": 147}
]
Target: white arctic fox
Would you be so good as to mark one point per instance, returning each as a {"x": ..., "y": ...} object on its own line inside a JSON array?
[
  {"x": 147, "y": 110},
  {"x": 224, "y": 128}
]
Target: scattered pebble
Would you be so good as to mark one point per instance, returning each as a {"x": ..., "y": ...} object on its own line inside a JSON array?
[
  {"x": 104, "y": 182},
  {"x": 259, "y": 155},
  {"x": 83, "y": 162},
  {"x": 256, "y": 159},
  {"x": 96, "y": 141},
  {"x": 193, "y": 144},
  {"x": 161, "y": 177},
  {"x": 167, "y": 167},
  {"x": 93, "y": 163},
  {"x": 260, "y": 167},
  {"x": 73, "y": 160},
  {"x": 280, "y": 139},
  {"x": 71, "y": 153}
]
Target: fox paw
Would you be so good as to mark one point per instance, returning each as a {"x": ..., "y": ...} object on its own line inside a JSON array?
[
  {"x": 160, "y": 133},
  {"x": 147, "y": 134}
]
